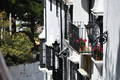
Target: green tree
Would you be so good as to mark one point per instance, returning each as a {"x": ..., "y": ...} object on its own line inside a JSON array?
[
  {"x": 30, "y": 11},
  {"x": 17, "y": 48},
  {"x": 26, "y": 10},
  {"x": 33, "y": 8},
  {"x": 4, "y": 23}
]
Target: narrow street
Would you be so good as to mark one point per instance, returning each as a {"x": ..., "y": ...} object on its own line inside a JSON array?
[{"x": 27, "y": 72}]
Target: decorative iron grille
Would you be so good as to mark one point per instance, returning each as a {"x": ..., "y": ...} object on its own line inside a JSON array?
[{"x": 74, "y": 36}]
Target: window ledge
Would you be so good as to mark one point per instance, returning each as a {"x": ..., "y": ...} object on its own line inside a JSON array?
[
  {"x": 98, "y": 64},
  {"x": 82, "y": 72}
]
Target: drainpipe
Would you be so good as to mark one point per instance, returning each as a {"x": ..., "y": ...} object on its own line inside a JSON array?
[
  {"x": 89, "y": 11},
  {"x": 45, "y": 18}
]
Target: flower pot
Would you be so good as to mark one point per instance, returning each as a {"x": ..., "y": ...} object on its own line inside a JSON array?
[
  {"x": 98, "y": 58},
  {"x": 82, "y": 48}
]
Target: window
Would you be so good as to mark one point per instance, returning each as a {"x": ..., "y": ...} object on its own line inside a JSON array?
[
  {"x": 56, "y": 62},
  {"x": 66, "y": 29},
  {"x": 71, "y": 12},
  {"x": 57, "y": 7},
  {"x": 44, "y": 54},
  {"x": 50, "y": 5},
  {"x": 51, "y": 58}
]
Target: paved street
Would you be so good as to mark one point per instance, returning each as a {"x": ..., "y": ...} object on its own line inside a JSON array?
[
  {"x": 4, "y": 73},
  {"x": 27, "y": 72}
]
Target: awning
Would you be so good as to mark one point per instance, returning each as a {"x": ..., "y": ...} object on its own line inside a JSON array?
[
  {"x": 98, "y": 8},
  {"x": 75, "y": 58},
  {"x": 80, "y": 9}
]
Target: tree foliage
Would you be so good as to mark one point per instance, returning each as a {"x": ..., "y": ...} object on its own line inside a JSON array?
[
  {"x": 18, "y": 46},
  {"x": 4, "y": 22},
  {"x": 33, "y": 8}
]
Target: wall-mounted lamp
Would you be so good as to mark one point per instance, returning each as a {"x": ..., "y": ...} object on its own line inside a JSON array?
[
  {"x": 89, "y": 28},
  {"x": 56, "y": 46},
  {"x": 103, "y": 38}
]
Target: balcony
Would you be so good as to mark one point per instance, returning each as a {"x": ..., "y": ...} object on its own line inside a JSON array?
[
  {"x": 74, "y": 36},
  {"x": 78, "y": 39},
  {"x": 97, "y": 53},
  {"x": 97, "y": 59}
]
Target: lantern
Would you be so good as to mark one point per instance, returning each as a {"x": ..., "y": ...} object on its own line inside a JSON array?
[{"x": 89, "y": 28}]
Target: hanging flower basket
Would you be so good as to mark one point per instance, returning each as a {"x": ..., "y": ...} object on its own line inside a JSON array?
[
  {"x": 98, "y": 53},
  {"x": 82, "y": 44}
]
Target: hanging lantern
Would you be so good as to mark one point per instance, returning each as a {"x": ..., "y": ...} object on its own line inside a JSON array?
[{"x": 89, "y": 28}]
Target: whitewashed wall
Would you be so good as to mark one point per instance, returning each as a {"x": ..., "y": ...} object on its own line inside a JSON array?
[
  {"x": 53, "y": 23},
  {"x": 112, "y": 49},
  {"x": 96, "y": 75},
  {"x": 80, "y": 11}
]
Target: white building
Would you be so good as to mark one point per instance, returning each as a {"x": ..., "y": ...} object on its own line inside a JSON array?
[
  {"x": 54, "y": 21},
  {"x": 111, "y": 69},
  {"x": 97, "y": 12},
  {"x": 53, "y": 31},
  {"x": 59, "y": 17},
  {"x": 78, "y": 16}
]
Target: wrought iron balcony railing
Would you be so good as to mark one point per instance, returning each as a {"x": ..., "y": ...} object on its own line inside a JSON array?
[
  {"x": 78, "y": 38},
  {"x": 74, "y": 36}
]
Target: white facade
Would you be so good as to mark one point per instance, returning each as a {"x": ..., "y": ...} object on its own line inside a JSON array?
[
  {"x": 54, "y": 29},
  {"x": 98, "y": 8},
  {"x": 111, "y": 64},
  {"x": 53, "y": 23}
]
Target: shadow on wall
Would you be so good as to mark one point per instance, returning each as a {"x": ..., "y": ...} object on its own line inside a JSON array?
[
  {"x": 86, "y": 2},
  {"x": 118, "y": 61},
  {"x": 109, "y": 62}
]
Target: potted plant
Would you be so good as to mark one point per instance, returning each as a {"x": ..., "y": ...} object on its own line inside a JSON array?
[
  {"x": 82, "y": 43},
  {"x": 98, "y": 53}
]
